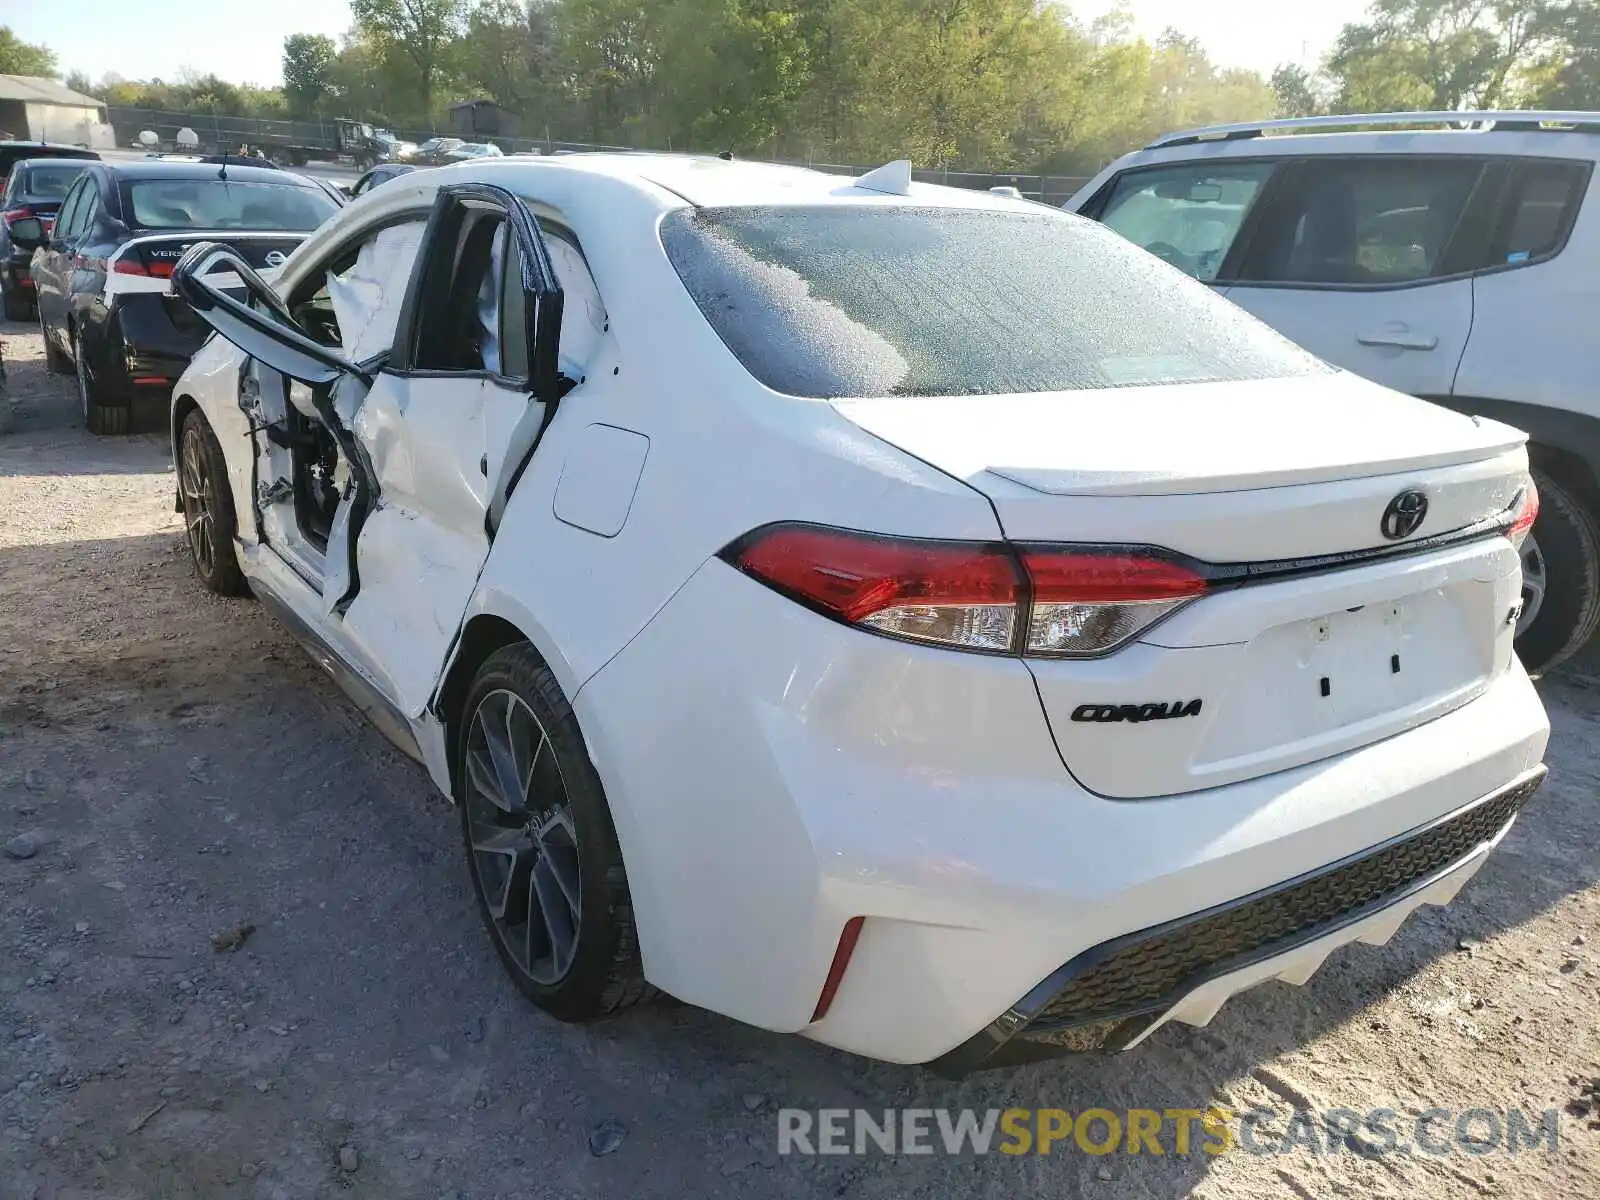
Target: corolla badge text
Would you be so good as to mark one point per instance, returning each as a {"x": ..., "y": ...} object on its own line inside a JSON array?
[{"x": 1106, "y": 713}]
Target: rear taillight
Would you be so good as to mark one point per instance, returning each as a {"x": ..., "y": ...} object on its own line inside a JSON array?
[
  {"x": 1524, "y": 512},
  {"x": 16, "y": 214},
  {"x": 953, "y": 593},
  {"x": 132, "y": 266},
  {"x": 1049, "y": 601}
]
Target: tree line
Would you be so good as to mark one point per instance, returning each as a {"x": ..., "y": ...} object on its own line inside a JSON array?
[{"x": 997, "y": 84}]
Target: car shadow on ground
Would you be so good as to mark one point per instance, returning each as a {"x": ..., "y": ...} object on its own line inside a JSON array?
[
  {"x": 43, "y": 401},
  {"x": 191, "y": 773}
]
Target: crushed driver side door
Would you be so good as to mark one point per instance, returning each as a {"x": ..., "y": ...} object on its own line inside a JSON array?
[{"x": 434, "y": 434}]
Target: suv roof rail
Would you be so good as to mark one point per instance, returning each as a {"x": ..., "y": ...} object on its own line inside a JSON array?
[{"x": 1523, "y": 121}]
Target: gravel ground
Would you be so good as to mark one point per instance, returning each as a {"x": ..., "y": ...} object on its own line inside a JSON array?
[{"x": 178, "y": 773}]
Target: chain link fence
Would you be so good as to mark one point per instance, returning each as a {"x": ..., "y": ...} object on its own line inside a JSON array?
[{"x": 215, "y": 133}]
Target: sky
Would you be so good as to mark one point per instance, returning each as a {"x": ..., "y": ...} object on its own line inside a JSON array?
[{"x": 242, "y": 40}]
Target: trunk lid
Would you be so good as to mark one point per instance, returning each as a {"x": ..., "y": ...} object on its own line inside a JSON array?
[
  {"x": 1287, "y": 671},
  {"x": 157, "y": 254},
  {"x": 144, "y": 265}
]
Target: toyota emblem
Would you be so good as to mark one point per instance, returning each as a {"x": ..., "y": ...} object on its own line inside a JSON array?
[
  {"x": 1405, "y": 515},
  {"x": 276, "y": 258}
]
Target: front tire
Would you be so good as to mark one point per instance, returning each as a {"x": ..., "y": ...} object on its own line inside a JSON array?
[
  {"x": 1561, "y": 579},
  {"x": 99, "y": 416},
  {"x": 207, "y": 503},
  {"x": 541, "y": 846}
]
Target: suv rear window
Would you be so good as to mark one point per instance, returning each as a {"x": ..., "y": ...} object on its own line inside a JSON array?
[
  {"x": 875, "y": 300},
  {"x": 1543, "y": 201},
  {"x": 226, "y": 204}
]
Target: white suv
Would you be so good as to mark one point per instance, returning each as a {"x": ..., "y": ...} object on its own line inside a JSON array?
[{"x": 1451, "y": 256}]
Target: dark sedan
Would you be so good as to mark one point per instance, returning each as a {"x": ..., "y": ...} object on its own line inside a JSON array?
[
  {"x": 33, "y": 189},
  {"x": 102, "y": 275}
]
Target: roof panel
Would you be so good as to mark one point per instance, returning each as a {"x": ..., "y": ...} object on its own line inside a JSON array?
[{"x": 35, "y": 90}]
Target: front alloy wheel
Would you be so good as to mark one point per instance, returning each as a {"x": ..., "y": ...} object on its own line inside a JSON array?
[{"x": 207, "y": 505}]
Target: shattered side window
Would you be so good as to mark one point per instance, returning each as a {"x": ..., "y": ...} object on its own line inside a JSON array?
[{"x": 366, "y": 298}]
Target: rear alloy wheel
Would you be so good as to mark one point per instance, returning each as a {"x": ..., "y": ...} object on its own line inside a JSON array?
[
  {"x": 541, "y": 846},
  {"x": 98, "y": 416},
  {"x": 1560, "y": 579},
  {"x": 208, "y": 515}
]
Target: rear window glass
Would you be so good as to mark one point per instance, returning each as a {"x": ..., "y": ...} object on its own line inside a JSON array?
[
  {"x": 1546, "y": 195},
  {"x": 48, "y": 183},
  {"x": 226, "y": 204},
  {"x": 898, "y": 300}
]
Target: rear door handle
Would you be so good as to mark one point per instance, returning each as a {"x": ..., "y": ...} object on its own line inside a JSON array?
[{"x": 1400, "y": 338}]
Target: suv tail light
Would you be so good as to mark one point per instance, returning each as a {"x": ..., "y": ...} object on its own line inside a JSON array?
[
  {"x": 16, "y": 214},
  {"x": 1049, "y": 601},
  {"x": 1524, "y": 512}
]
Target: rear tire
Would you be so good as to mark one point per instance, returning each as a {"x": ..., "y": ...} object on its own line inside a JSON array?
[
  {"x": 541, "y": 846},
  {"x": 17, "y": 307},
  {"x": 55, "y": 361},
  {"x": 1565, "y": 545},
  {"x": 99, "y": 416},
  {"x": 207, "y": 504}
]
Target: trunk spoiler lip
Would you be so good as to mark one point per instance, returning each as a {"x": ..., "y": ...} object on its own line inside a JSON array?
[{"x": 1225, "y": 576}]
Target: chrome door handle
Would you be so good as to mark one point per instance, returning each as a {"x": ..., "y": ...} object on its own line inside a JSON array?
[{"x": 1400, "y": 339}]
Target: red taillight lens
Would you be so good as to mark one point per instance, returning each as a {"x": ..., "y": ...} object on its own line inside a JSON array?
[
  {"x": 17, "y": 214},
  {"x": 132, "y": 266},
  {"x": 1047, "y": 601},
  {"x": 1524, "y": 512},
  {"x": 952, "y": 593}
]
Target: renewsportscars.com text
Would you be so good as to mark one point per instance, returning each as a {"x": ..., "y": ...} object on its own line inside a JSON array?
[{"x": 1375, "y": 1133}]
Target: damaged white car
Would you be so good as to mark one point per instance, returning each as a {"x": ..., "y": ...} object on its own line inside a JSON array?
[{"x": 899, "y": 615}]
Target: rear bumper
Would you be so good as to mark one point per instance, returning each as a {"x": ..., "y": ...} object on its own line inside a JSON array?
[
  {"x": 142, "y": 346},
  {"x": 1114, "y": 995},
  {"x": 774, "y": 775}
]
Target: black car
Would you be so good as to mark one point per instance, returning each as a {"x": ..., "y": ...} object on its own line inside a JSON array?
[
  {"x": 33, "y": 189},
  {"x": 381, "y": 173},
  {"x": 102, "y": 276},
  {"x": 11, "y": 151}
]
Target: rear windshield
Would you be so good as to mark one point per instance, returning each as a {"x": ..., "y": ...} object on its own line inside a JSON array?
[
  {"x": 898, "y": 300},
  {"x": 226, "y": 204},
  {"x": 49, "y": 182}
]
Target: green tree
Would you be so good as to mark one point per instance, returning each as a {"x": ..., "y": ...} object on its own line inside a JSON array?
[
  {"x": 422, "y": 33},
  {"x": 80, "y": 82},
  {"x": 1296, "y": 91},
  {"x": 18, "y": 57},
  {"x": 1569, "y": 75},
  {"x": 307, "y": 71},
  {"x": 1435, "y": 54}
]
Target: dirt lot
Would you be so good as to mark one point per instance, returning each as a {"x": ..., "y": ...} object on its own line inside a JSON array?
[{"x": 183, "y": 771}]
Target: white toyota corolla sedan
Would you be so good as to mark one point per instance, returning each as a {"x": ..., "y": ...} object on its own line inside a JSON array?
[{"x": 908, "y": 617}]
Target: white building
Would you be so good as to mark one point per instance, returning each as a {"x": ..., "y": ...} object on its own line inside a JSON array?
[{"x": 42, "y": 110}]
